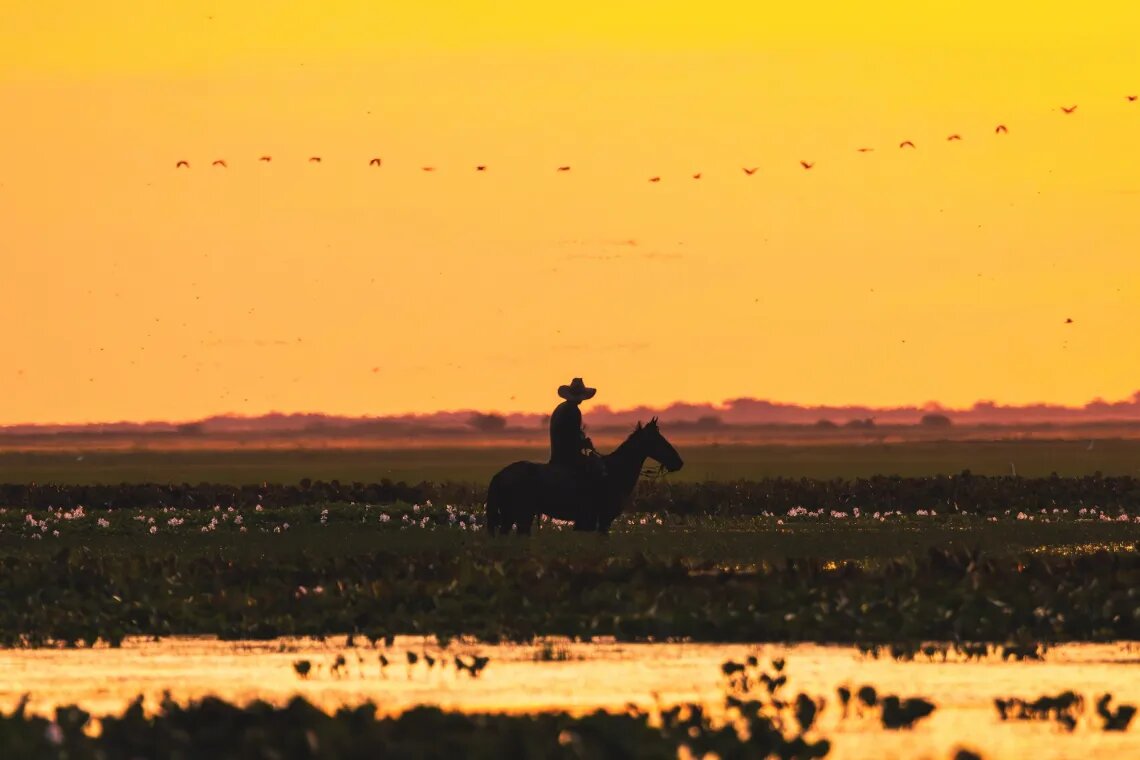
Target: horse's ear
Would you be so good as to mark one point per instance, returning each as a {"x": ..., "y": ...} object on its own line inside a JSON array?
[
  {"x": 653, "y": 422},
  {"x": 638, "y": 425}
]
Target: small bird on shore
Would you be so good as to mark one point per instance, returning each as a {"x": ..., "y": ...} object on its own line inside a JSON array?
[{"x": 302, "y": 667}]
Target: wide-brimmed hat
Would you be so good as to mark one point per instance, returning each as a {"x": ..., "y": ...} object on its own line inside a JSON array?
[{"x": 576, "y": 390}]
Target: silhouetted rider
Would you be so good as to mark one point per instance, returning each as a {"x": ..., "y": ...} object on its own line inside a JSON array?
[{"x": 570, "y": 447}]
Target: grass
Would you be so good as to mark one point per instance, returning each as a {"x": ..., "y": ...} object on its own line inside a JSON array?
[
  {"x": 477, "y": 465},
  {"x": 399, "y": 569}
]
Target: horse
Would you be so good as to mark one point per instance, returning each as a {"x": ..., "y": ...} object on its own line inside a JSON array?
[{"x": 522, "y": 490}]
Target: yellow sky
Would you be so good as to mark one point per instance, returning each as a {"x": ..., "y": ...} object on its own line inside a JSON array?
[{"x": 131, "y": 290}]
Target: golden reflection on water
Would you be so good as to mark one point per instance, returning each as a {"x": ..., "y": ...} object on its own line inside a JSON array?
[{"x": 582, "y": 677}]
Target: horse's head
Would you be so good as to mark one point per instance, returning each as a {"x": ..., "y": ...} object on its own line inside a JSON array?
[{"x": 656, "y": 447}]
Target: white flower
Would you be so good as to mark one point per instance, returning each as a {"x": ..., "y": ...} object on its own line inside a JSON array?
[
  {"x": 103, "y": 523},
  {"x": 257, "y": 508},
  {"x": 153, "y": 530},
  {"x": 285, "y": 526},
  {"x": 55, "y": 533},
  {"x": 238, "y": 520},
  {"x": 277, "y": 529},
  {"x": 384, "y": 518}
]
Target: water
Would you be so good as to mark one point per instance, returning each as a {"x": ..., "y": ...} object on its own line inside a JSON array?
[{"x": 584, "y": 677}]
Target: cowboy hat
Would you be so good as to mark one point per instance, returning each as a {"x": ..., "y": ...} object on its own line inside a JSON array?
[{"x": 576, "y": 390}]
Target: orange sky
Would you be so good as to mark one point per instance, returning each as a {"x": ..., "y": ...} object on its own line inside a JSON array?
[{"x": 131, "y": 290}]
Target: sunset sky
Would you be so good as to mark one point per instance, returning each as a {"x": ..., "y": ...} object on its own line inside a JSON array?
[{"x": 132, "y": 290}]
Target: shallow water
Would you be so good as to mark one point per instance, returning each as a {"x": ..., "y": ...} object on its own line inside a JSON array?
[{"x": 605, "y": 676}]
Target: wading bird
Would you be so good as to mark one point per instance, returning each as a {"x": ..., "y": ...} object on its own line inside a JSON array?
[
  {"x": 906, "y": 144},
  {"x": 374, "y": 162},
  {"x": 751, "y": 171},
  {"x": 1069, "y": 109}
]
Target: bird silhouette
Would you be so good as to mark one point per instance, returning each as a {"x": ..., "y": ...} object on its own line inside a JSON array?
[
  {"x": 906, "y": 144},
  {"x": 302, "y": 667},
  {"x": 865, "y": 150},
  {"x": 697, "y": 175},
  {"x": 314, "y": 159},
  {"x": 374, "y": 162},
  {"x": 1133, "y": 98},
  {"x": 807, "y": 164},
  {"x": 954, "y": 137},
  {"x": 1069, "y": 320},
  {"x": 751, "y": 171},
  {"x": 220, "y": 163},
  {"x": 654, "y": 179},
  {"x": 1001, "y": 129},
  {"x": 180, "y": 164},
  {"x": 428, "y": 168},
  {"x": 481, "y": 168},
  {"x": 563, "y": 168},
  {"x": 1069, "y": 109},
  {"x": 266, "y": 159}
]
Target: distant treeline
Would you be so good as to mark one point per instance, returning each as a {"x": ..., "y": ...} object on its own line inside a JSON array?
[{"x": 946, "y": 494}]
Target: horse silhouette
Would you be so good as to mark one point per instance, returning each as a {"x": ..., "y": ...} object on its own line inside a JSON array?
[{"x": 522, "y": 490}]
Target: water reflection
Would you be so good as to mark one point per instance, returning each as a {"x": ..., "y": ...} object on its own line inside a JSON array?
[{"x": 582, "y": 677}]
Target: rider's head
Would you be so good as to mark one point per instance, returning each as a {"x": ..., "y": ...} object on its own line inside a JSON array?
[{"x": 576, "y": 391}]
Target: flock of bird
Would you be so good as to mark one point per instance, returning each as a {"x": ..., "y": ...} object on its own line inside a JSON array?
[{"x": 1000, "y": 129}]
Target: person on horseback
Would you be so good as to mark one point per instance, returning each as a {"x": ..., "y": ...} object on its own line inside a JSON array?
[{"x": 570, "y": 447}]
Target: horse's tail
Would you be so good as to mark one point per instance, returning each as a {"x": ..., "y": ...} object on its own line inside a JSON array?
[{"x": 495, "y": 504}]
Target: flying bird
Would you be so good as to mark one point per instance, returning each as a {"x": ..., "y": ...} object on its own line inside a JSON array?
[
  {"x": 266, "y": 159},
  {"x": 864, "y": 150},
  {"x": 1001, "y": 129},
  {"x": 481, "y": 168},
  {"x": 428, "y": 168},
  {"x": 180, "y": 164},
  {"x": 751, "y": 171},
  {"x": 906, "y": 144},
  {"x": 954, "y": 137},
  {"x": 374, "y": 162},
  {"x": 563, "y": 168},
  {"x": 1070, "y": 109},
  {"x": 314, "y": 159},
  {"x": 807, "y": 164},
  {"x": 1069, "y": 320},
  {"x": 654, "y": 179},
  {"x": 697, "y": 175},
  {"x": 1133, "y": 98},
  {"x": 220, "y": 163}
]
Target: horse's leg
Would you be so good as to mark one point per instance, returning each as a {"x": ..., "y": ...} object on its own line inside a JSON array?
[{"x": 525, "y": 522}]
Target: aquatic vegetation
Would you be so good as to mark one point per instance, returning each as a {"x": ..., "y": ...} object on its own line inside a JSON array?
[
  {"x": 1065, "y": 709},
  {"x": 1094, "y": 497},
  {"x": 761, "y": 725},
  {"x": 81, "y": 594}
]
